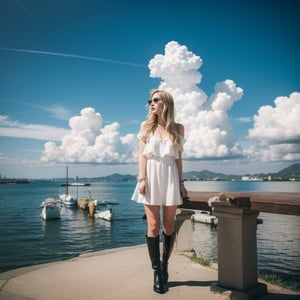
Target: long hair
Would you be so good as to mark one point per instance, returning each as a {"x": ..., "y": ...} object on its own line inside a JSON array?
[{"x": 167, "y": 117}]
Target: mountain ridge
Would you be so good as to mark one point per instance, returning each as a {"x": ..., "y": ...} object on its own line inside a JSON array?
[
  {"x": 289, "y": 173},
  {"x": 292, "y": 171}
]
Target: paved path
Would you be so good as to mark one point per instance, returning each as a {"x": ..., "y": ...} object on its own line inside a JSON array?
[{"x": 122, "y": 273}]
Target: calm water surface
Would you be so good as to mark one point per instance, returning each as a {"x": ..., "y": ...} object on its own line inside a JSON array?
[{"x": 27, "y": 240}]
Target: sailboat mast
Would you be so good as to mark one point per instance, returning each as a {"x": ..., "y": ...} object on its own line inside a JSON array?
[{"x": 67, "y": 178}]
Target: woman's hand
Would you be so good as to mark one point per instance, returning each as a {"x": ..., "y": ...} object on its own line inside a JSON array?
[
  {"x": 183, "y": 191},
  {"x": 142, "y": 187}
]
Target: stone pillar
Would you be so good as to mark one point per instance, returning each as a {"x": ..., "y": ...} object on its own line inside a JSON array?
[
  {"x": 183, "y": 227},
  {"x": 237, "y": 252}
]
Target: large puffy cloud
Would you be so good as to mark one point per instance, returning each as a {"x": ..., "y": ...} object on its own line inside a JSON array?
[
  {"x": 209, "y": 133},
  {"x": 178, "y": 67},
  {"x": 277, "y": 125},
  {"x": 89, "y": 142},
  {"x": 277, "y": 152},
  {"x": 276, "y": 131}
]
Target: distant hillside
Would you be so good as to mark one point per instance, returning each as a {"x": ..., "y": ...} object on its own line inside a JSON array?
[
  {"x": 116, "y": 177},
  {"x": 292, "y": 170},
  {"x": 290, "y": 173},
  {"x": 207, "y": 175}
]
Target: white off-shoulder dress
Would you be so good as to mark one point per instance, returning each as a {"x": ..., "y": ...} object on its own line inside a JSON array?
[{"x": 163, "y": 187}]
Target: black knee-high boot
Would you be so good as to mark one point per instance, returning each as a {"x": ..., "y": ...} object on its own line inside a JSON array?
[
  {"x": 154, "y": 253},
  {"x": 168, "y": 243}
]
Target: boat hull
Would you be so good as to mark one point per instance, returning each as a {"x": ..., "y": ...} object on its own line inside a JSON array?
[
  {"x": 50, "y": 209},
  {"x": 105, "y": 214},
  {"x": 68, "y": 200},
  {"x": 83, "y": 203},
  {"x": 205, "y": 217}
]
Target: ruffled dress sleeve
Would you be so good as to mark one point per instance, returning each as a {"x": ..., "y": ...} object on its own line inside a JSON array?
[
  {"x": 141, "y": 134},
  {"x": 182, "y": 142}
]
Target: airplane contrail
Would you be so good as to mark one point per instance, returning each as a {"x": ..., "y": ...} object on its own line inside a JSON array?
[{"x": 73, "y": 56}]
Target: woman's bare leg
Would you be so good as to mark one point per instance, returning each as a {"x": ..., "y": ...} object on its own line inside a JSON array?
[
  {"x": 169, "y": 213},
  {"x": 153, "y": 219}
]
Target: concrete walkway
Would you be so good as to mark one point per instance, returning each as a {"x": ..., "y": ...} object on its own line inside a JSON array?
[{"x": 122, "y": 273}]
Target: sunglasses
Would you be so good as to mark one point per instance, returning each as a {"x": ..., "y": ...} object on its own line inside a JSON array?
[{"x": 155, "y": 100}]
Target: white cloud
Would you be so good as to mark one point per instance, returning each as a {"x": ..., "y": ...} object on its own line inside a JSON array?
[
  {"x": 57, "y": 111},
  {"x": 276, "y": 131},
  {"x": 89, "y": 142},
  {"x": 208, "y": 129},
  {"x": 277, "y": 152},
  {"x": 178, "y": 67},
  {"x": 279, "y": 124},
  {"x": 11, "y": 128},
  {"x": 209, "y": 133}
]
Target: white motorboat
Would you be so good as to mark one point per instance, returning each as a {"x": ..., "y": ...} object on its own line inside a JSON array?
[
  {"x": 50, "y": 209},
  {"x": 104, "y": 210},
  {"x": 205, "y": 217},
  {"x": 106, "y": 214}
]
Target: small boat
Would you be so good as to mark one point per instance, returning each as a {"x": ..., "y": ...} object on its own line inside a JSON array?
[
  {"x": 50, "y": 209},
  {"x": 85, "y": 202},
  {"x": 205, "y": 217},
  {"x": 79, "y": 184},
  {"x": 106, "y": 214},
  {"x": 104, "y": 210},
  {"x": 66, "y": 198}
]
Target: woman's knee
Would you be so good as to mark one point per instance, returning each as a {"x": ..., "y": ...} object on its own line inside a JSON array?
[
  {"x": 169, "y": 220},
  {"x": 153, "y": 229},
  {"x": 169, "y": 229}
]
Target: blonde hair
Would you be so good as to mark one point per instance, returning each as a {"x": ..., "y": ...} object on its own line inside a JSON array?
[{"x": 167, "y": 117}]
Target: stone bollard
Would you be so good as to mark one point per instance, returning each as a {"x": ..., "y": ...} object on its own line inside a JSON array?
[
  {"x": 183, "y": 227},
  {"x": 237, "y": 250}
]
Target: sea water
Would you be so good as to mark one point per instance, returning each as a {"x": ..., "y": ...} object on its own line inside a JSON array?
[{"x": 26, "y": 240}]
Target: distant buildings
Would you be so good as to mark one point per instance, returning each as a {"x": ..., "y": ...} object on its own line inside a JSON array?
[{"x": 251, "y": 178}]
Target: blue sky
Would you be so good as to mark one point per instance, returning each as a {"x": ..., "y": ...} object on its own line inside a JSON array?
[{"x": 75, "y": 77}]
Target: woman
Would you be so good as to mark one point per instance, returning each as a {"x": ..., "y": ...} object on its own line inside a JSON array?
[{"x": 160, "y": 179}]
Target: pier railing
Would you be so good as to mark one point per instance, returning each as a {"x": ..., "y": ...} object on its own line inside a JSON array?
[{"x": 237, "y": 247}]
